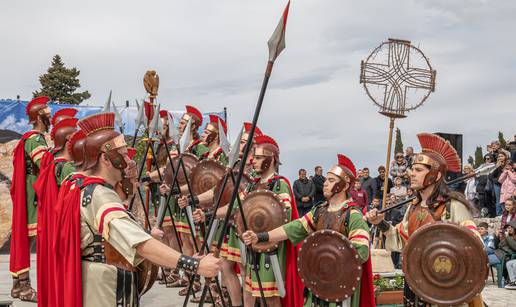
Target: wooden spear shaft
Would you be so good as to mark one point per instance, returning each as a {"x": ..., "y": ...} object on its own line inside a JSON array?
[{"x": 387, "y": 166}]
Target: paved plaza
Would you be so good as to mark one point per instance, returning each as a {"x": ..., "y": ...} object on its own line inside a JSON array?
[{"x": 159, "y": 296}]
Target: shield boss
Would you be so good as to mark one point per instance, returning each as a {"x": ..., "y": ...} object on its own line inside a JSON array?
[
  {"x": 445, "y": 264},
  {"x": 263, "y": 212},
  {"x": 329, "y": 265}
]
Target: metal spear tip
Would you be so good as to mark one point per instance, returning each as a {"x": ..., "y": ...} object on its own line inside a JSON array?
[
  {"x": 107, "y": 105},
  {"x": 139, "y": 118},
  {"x": 172, "y": 129},
  {"x": 223, "y": 139},
  {"x": 118, "y": 118},
  {"x": 235, "y": 150},
  {"x": 277, "y": 41},
  {"x": 185, "y": 137},
  {"x": 485, "y": 169}
]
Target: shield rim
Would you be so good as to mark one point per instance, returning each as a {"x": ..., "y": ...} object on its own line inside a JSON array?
[
  {"x": 263, "y": 247},
  {"x": 198, "y": 174},
  {"x": 483, "y": 263},
  {"x": 355, "y": 259}
]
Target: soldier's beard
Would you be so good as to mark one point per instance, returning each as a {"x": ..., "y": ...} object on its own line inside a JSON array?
[{"x": 46, "y": 122}]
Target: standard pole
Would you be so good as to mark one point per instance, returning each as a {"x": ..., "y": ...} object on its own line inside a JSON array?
[{"x": 388, "y": 164}]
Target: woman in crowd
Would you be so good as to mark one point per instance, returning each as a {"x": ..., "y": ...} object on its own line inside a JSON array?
[
  {"x": 509, "y": 214},
  {"x": 399, "y": 168},
  {"x": 508, "y": 181},
  {"x": 398, "y": 190}
]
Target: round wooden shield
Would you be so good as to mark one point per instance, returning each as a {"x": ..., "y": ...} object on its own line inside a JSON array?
[
  {"x": 445, "y": 264},
  {"x": 263, "y": 212},
  {"x": 147, "y": 274},
  {"x": 225, "y": 198},
  {"x": 205, "y": 176},
  {"x": 189, "y": 160},
  {"x": 329, "y": 265}
]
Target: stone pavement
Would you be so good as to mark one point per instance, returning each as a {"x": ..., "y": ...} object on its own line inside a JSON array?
[{"x": 159, "y": 296}]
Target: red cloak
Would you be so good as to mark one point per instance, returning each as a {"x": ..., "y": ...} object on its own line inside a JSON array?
[
  {"x": 46, "y": 189},
  {"x": 66, "y": 185},
  {"x": 19, "y": 261},
  {"x": 68, "y": 246},
  {"x": 293, "y": 284},
  {"x": 367, "y": 298}
]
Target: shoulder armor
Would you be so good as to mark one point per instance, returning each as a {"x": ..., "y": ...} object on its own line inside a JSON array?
[
  {"x": 88, "y": 194},
  {"x": 318, "y": 209}
]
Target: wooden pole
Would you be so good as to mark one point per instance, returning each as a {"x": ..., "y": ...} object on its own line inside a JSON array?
[
  {"x": 148, "y": 160},
  {"x": 388, "y": 164}
]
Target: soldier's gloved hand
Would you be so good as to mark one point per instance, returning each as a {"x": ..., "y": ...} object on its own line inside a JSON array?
[
  {"x": 249, "y": 237},
  {"x": 198, "y": 216},
  {"x": 164, "y": 189},
  {"x": 146, "y": 179},
  {"x": 209, "y": 266},
  {"x": 131, "y": 170},
  {"x": 182, "y": 202},
  {"x": 373, "y": 217},
  {"x": 157, "y": 233}
]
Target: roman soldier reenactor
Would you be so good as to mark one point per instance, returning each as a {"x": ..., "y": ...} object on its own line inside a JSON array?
[
  {"x": 211, "y": 139},
  {"x": 266, "y": 163},
  {"x": 55, "y": 165},
  {"x": 243, "y": 141},
  {"x": 434, "y": 202},
  {"x": 340, "y": 213},
  {"x": 102, "y": 244},
  {"x": 170, "y": 278},
  {"x": 27, "y": 157},
  {"x": 197, "y": 148},
  {"x": 230, "y": 249}
]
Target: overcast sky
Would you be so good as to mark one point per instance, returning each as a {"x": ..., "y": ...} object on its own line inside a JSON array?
[{"x": 212, "y": 54}]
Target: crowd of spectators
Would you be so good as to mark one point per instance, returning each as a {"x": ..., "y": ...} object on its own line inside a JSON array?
[{"x": 494, "y": 195}]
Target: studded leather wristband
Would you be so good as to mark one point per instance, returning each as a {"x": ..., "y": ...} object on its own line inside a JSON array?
[
  {"x": 188, "y": 264},
  {"x": 208, "y": 215},
  {"x": 384, "y": 226},
  {"x": 175, "y": 191},
  {"x": 194, "y": 200},
  {"x": 263, "y": 237}
]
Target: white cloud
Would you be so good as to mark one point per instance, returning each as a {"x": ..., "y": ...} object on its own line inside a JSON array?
[{"x": 212, "y": 54}]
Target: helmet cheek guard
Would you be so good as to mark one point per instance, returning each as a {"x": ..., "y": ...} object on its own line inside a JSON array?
[
  {"x": 436, "y": 164},
  {"x": 338, "y": 187}
]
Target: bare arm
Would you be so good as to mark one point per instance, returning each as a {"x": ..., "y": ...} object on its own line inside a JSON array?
[
  {"x": 276, "y": 235},
  {"x": 162, "y": 255},
  {"x": 158, "y": 253},
  {"x": 154, "y": 174},
  {"x": 206, "y": 198}
]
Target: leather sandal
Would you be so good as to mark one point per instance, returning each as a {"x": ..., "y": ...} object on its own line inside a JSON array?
[
  {"x": 27, "y": 293},
  {"x": 15, "y": 291}
]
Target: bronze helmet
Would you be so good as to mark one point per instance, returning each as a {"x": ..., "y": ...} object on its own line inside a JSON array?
[
  {"x": 62, "y": 131},
  {"x": 101, "y": 138},
  {"x": 35, "y": 107}
]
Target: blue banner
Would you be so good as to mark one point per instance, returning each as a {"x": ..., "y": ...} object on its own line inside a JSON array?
[{"x": 13, "y": 116}]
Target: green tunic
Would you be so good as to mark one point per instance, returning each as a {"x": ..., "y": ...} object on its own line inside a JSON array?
[
  {"x": 35, "y": 147},
  {"x": 231, "y": 247},
  {"x": 357, "y": 232},
  {"x": 270, "y": 289},
  {"x": 63, "y": 170}
]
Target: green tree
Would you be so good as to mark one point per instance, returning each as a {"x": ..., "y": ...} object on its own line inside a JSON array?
[
  {"x": 479, "y": 156},
  {"x": 60, "y": 83},
  {"x": 398, "y": 145},
  {"x": 501, "y": 139},
  {"x": 471, "y": 161}
]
